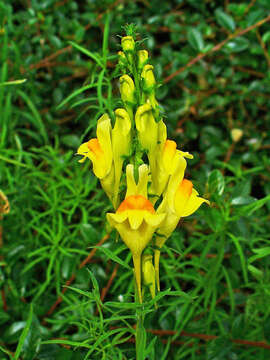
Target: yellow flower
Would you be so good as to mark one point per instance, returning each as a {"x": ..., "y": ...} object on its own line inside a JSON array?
[
  {"x": 180, "y": 200},
  {"x": 167, "y": 161},
  {"x": 136, "y": 221},
  {"x": 99, "y": 151},
  {"x": 121, "y": 146}
]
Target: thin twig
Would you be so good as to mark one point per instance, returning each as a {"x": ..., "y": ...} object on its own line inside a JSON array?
[
  {"x": 217, "y": 47},
  {"x": 206, "y": 337},
  {"x": 105, "y": 290}
]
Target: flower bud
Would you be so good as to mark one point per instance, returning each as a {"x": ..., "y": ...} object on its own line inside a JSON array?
[
  {"x": 148, "y": 272},
  {"x": 128, "y": 43},
  {"x": 122, "y": 60},
  {"x": 148, "y": 77},
  {"x": 127, "y": 90},
  {"x": 236, "y": 134},
  {"x": 142, "y": 58}
]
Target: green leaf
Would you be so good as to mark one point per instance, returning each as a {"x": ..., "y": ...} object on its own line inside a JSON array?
[
  {"x": 241, "y": 255},
  {"x": 112, "y": 256},
  {"x": 237, "y": 45},
  {"x": 195, "y": 39},
  {"x": 260, "y": 253},
  {"x": 266, "y": 36},
  {"x": 216, "y": 183},
  {"x": 95, "y": 57},
  {"x": 243, "y": 200},
  {"x": 255, "y": 205},
  {"x": 36, "y": 118},
  {"x": 14, "y": 82},
  {"x": 75, "y": 93},
  {"x": 24, "y": 334},
  {"x": 225, "y": 20},
  {"x": 258, "y": 274}
]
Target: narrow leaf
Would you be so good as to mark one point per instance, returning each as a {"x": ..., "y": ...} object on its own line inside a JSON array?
[{"x": 24, "y": 334}]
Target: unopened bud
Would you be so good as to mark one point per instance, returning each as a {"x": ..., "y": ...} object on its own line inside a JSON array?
[
  {"x": 148, "y": 78},
  {"x": 236, "y": 134},
  {"x": 142, "y": 58},
  {"x": 128, "y": 43},
  {"x": 148, "y": 272},
  {"x": 127, "y": 89},
  {"x": 122, "y": 58}
]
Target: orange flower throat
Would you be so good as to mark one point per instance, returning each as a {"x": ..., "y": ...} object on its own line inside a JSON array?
[
  {"x": 136, "y": 202},
  {"x": 185, "y": 187},
  {"x": 94, "y": 146},
  {"x": 169, "y": 148}
]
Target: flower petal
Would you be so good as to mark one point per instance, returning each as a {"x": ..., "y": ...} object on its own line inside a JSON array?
[
  {"x": 193, "y": 203},
  {"x": 141, "y": 187},
  {"x": 154, "y": 219},
  {"x": 135, "y": 218},
  {"x": 116, "y": 218}
]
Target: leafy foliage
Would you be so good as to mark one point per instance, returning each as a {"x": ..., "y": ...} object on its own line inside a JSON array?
[{"x": 213, "y": 60}]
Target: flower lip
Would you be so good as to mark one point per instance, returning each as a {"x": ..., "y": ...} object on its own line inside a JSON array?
[{"x": 136, "y": 202}]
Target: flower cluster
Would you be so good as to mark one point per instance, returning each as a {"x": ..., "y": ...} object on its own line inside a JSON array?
[{"x": 156, "y": 193}]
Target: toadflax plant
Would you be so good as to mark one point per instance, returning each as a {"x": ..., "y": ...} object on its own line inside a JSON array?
[{"x": 140, "y": 170}]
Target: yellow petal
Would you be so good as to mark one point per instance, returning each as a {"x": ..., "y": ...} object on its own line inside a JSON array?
[
  {"x": 141, "y": 187},
  {"x": 148, "y": 77},
  {"x": 83, "y": 149},
  {"x": 128, "y": 43},
  {"x": 193, "y": 203},
  {"x": 147, "y": 127},
  {"x": 135, "y": 218},
  {"x": 179, "y": 167},
  {"x": 186, "y": 154},
  {"x": 121, "y": 146},
  {"x": 127, "y": 89},
  {"x": 182, "y": 196},
  {"x": 117, "y": 218},
  {"x": 166, "y": 228},
  {"x": 104, "y": 129},
  {"x": 102, "y": 164},
  {"x": 107, "y": 184},
  {"x": 154, "y": 219},
  {"x": 142, "y": 58}
]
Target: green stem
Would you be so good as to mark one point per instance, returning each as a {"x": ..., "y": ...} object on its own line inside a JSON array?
[{"x": 140, "y": 336}]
